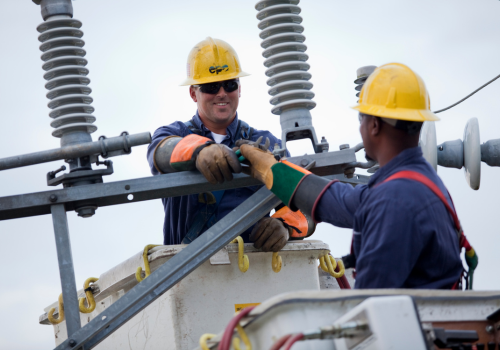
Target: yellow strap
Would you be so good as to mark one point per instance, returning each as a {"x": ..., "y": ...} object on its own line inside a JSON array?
[
  {"x": 244, "y": 337},
  {"x": 331, "y": 265},
  {"x": 138, "y": 272},
  {"x": 203, "y": 340},
  {"x": 276, "y": 262},
  {"x": 89, "y": 296},
  {"x": 61, "y": 312},
  {"x": 243, "y": 262}
]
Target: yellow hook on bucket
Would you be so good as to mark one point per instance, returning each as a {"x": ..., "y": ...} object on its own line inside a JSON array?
[
  {"x": 276, "y": 262},
  {"x": 203, "y": 340},
  {"x": 331, "y": 265},
  {"x": 89, "y": 295},
  {"x": 243, "y": 262},
  {"x": 61, "y": 312},
  {"x": 146, "y": 263}
]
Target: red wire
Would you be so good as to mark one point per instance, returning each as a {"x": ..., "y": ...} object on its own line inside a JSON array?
[
  {"x": 280, "y": 342},
  {"x": 225, "y": 342},
  {"x": 292, "y": 340},
  {"x": 342, "y": 281}
]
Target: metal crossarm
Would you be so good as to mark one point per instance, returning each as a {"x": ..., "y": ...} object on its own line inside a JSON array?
[{"x": 162, "y": 186}]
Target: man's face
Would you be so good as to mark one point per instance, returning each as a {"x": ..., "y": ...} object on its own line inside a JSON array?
[
  {"x": 365, "y": 135},
  {"x": 219, "y": 108}
]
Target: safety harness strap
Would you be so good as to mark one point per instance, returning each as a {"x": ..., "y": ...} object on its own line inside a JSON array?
[
  {"x": 413, "y": 175},
  {"x": 349, "y": 260}
]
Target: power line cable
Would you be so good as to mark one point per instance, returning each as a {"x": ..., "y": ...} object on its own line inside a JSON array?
[{"x": 466, "y": 97}]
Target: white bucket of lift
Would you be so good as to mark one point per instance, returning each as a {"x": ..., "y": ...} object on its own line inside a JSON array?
[{"x": 204, "y": 300}]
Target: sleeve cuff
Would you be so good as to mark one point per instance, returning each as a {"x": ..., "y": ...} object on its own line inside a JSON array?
[{"x": 308, "y": 193}]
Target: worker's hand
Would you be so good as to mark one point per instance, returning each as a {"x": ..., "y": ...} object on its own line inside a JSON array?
[
  {"x": 257, "y": 143},
  {"x": 260, "y": 164},
  {"x": 269, "y": 234},
  {"x": 217, "y": 162}
]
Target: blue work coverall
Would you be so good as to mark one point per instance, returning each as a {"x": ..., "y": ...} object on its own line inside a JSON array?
[
  {"x": 180, "y": 211},
  {"x": 403, "y": 236}
]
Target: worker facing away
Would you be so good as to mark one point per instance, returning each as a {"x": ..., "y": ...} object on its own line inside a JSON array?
[
  {"x": 205, "y": 143},
  {"x": 405, "y": 230}
]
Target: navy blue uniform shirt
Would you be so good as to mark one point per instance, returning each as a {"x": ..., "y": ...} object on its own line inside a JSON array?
[
  {"x": 180, "y": 211},
  {"x": 403, "y": 236}
]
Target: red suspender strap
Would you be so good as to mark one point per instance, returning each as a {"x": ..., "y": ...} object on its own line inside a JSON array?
[{"x": 413, "y": 175}]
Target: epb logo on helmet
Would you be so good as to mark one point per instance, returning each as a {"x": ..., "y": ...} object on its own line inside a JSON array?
[{"x": 218, "y": 69}]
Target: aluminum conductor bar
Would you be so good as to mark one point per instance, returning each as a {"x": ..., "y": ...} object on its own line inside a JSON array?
[{"x": 105, "y": 146}]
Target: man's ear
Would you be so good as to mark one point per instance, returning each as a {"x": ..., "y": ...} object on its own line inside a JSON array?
[
  {"x": 239, "y": 90},
  {"x": 375, "y": 126},
  {"x": 192, "y": 93}
]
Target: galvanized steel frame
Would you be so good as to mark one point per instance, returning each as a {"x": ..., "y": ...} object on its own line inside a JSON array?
[{"x": 57, "y": 202}]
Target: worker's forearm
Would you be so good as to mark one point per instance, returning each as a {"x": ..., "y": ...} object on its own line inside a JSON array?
[
  {"x": 163, "y": 153},
  {"x": 327, "y": 201},
  {"x": 175, "y": 153}
]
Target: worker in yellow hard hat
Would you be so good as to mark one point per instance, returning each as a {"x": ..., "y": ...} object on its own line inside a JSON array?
[
  {"x": 405, "y": 230},
  {"x": 205, "y": 143}
]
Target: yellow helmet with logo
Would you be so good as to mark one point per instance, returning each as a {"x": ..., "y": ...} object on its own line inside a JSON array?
[
  {"x": 212, "y": 60},
  {"x": 395, "y": 91}
]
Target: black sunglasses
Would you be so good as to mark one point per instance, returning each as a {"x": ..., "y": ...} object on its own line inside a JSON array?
[{"x": 213, "y": 88}]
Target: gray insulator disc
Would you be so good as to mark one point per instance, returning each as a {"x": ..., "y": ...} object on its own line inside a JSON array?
[
  {"x": 70, "y": 109},
  {"x": 67, "y": 80},
  {"x": 284, "y": 47},
  {"x": 59, "y": 132},
  {"x": 282, "y": 38},
  {"x": 278, "y": 9},
  {"x": 287, "y": 66},
  {"x": 72, "y": 119},
  {"x": 59, "y": 33},
  {"x": 280, "y": 29},
  {"x": 288, "y": 76},
  {"x": 57, "y": 23},
  {"x": 61, "y": 42},
  {"x": 268, "y": 3},
  {"x": 290, "y": 85},
  {"x": 307, "y": 104},
  {"x": 64, "y": 71},
  {"x": 70, "y": 99},
  {"x": 285, "y": 57},
  {"x": 279, "y": 19},
  {"x": 63, "y": 51},
  {"x": 64, "y": 61},
  {"x": 292, "y": 95},
  {"x": 68, "y": 90}
]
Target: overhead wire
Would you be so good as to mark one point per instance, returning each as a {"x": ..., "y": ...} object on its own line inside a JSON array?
[{"x": 466, "y": 97}]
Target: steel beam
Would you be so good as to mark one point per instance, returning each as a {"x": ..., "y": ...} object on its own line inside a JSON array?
[
  {"x": 162, "y": 186},
  {"x": 66, "y": 270},
  {"x": 176, "y": 268}
]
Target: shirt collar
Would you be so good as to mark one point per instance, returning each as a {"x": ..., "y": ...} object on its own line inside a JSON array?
[
  {"x": 231, "y": 129},
  {"x": 407, "y": 157}
]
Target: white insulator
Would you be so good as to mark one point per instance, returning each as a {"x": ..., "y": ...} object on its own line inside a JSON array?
[
  {"x": 281, "y": 31},
  {"x": 66, "y": 76}
]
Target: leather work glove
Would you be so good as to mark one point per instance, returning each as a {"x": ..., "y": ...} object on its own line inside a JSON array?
[
  {"x": 217, "y": 163},
  {"x": 270, "y": 234},
  {"x": 257, "y": 143},
  {"x": 260, "y": 164}
]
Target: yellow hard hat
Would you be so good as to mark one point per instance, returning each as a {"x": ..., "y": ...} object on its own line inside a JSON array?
[
  {"x": 395, "y": 91},
  {"x": 212, "y": 60}
]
